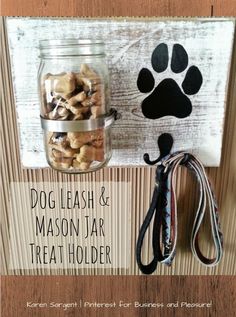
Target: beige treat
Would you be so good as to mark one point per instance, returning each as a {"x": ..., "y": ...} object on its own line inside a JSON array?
[
  {"x": 77, "y": 109},
  {"x": 94, "y": 99},
  {"x": 77, "y": 117},
  {"x": 61, "y": 144},
  {"x": 87, "y": 88},
  {"x": 60, "y": 154},
  {"x": 96, "y": 112},
  {"x": 82, "y": 166},
  {"x": 90, "y": 83},
  {"x": 61, "y": 95},
  {"x": 80, "y": 97},
  {"x": 63, "y": 118},
  {"x": 89, "y": 77},
  {"x": 87, "y": 102},
  {"x": 53, "y": 115},
  {"x": 61, "y": 84},
  {"x": 87, "y": 72},
  {"x": 62, "y": 163},
  {"x": 57, "y": 154},
  {"x": 75, "y": 144},
  {"x": 63, "y": 112},
  {"x": 89, "y": 153},
  {"x": 46, "y": 76},
  {"x": 58, "y": 138},
  {"x": 59, "y": 111},
  {"x": 78, "y": 139},
  {"x": 79, "y": 80},
  {"x": 98, "y": 143},
  {"x": 49, "y": 136},
  {"x": 98, "y": 88},
  {"x": 99, "y": 136},
  {"x": 66, "y": 150},
  {"x": 47, "y": 108},
  {"x": 64, "y": 96}
]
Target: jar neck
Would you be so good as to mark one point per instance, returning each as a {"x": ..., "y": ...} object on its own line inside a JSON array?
[
  {"x": 71, "y": 48},
  {"x": 66, "y": 57}
]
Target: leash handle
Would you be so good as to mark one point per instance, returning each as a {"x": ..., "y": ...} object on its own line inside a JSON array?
[
  {"x": 155, "y": 210},
  {"x": 207, "y": 202}
]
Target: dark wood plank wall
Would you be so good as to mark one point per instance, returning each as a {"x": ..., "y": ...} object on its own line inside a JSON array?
[
  {"x": 119, "y": 8},
  {"x": 16, "y": 291},
  {"x": 219, "y": 293}
]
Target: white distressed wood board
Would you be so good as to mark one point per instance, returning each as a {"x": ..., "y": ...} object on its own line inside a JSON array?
[{"x": 129, "y": 46}]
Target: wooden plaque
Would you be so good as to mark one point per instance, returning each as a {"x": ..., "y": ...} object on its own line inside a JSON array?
[{"x": 129, "y": 47}]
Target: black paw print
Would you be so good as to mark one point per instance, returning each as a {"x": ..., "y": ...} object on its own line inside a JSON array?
[{"x": 168, "y": 98}]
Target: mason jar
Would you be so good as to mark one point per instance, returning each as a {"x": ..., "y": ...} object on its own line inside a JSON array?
[{"x": 75, "y": 113}]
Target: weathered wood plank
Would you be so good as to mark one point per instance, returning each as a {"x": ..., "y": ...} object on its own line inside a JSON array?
[{"x": 129, "y": 45}]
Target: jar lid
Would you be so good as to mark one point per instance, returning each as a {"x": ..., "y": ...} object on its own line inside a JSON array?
[{"x": 71, "y": 47}]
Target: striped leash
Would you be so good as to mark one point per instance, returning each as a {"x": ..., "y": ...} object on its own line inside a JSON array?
[{"x": 164, "y": 210}]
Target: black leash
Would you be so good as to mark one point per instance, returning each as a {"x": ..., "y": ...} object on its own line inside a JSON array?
[{"x": 164, "y": 210}]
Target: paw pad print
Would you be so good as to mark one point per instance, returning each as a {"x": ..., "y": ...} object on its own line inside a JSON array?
[{"x": 167, "y": 98}]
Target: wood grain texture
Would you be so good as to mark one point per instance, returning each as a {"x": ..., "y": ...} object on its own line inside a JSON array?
[
  {"x": 118, "y": 8},
  {"x": 223, "y": 179},
  {"x": 129, "y": 44},
  {"x": 20, "y": 290}
]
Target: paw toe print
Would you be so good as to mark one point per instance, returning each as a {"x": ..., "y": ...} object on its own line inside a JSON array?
[{"x": 168, "y": 98}]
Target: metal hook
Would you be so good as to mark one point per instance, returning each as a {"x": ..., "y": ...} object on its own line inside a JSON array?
[{"x": 165, "y": 143}]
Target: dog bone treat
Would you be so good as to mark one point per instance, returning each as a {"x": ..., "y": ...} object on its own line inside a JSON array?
[
  {"x": 89, "y": 85},
  {"x": 59, "y": 143},
  {"x": 86, "y": 71},
  {"x": 77, "y": 98},
  {"x": 61, "y": 84},
  {"x": 62, "y": 111},
  {"x": 78, "y": 139},
  {"x": 81, "y": 165},
  {"x": 77, "y": 109},
  {"x": 90, "y": 153},
  {"x": 62, "y": 163}
]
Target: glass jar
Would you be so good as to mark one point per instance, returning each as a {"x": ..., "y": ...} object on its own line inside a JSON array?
[{"x": 75, "y": 111}]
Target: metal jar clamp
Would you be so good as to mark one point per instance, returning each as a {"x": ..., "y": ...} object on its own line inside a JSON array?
[{"x": 80, "y": 125}]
